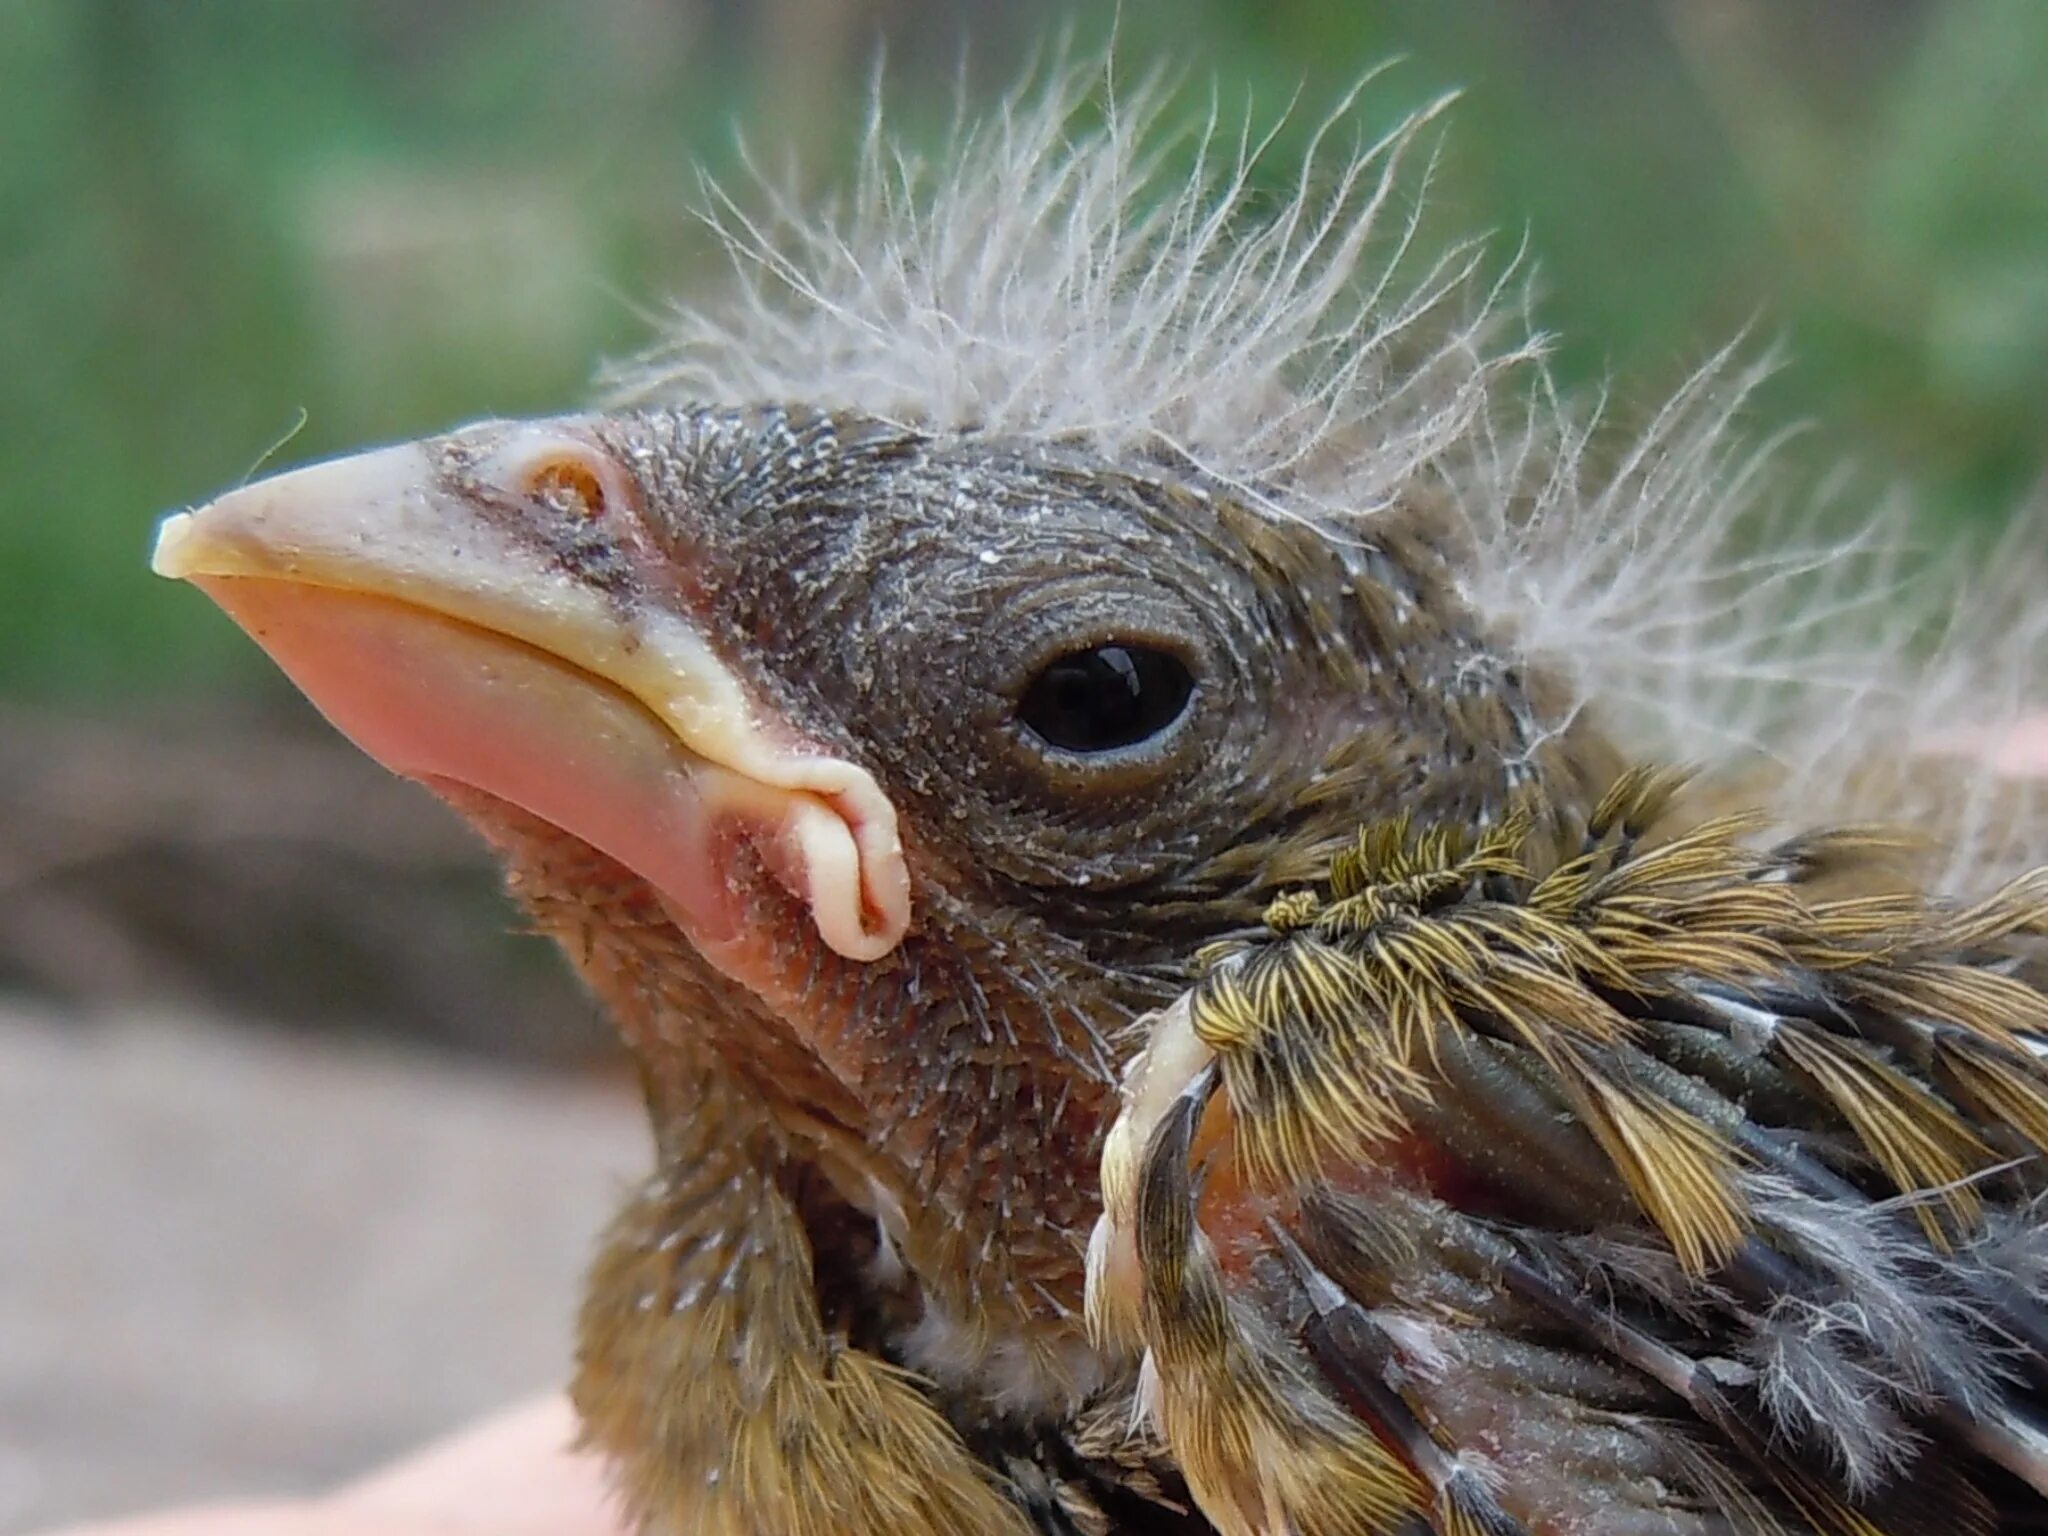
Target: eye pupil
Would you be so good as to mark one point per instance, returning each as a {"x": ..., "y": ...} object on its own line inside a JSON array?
[{"x": 1106, "y": 697}]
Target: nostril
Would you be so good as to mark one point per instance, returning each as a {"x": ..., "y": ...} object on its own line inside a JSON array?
[
  {"x": 559, "y": 468},
  {"x": 569, "y": 485}
]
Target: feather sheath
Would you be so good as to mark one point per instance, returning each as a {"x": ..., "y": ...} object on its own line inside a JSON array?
[{"x": 1647, "y": 1170}]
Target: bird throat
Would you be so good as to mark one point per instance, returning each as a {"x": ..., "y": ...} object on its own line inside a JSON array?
[{"x": 943, "y": 1237}]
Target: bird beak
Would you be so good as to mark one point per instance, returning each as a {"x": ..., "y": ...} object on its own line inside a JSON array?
[{"x": 443, "y": 630}]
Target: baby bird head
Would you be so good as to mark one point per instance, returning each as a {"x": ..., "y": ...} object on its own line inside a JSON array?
[{"x": 892, "y": 772}]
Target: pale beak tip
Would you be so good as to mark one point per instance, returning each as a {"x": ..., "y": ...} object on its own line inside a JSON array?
[{"x": 172, "y": 555}]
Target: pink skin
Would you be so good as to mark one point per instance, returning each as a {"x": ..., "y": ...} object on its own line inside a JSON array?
[
  {"x": 741, "y": 867},
  {"x": 514, "y": 1475},
  {"x": 2017, "y": 751},
  {"x": 438, "y": 700}
]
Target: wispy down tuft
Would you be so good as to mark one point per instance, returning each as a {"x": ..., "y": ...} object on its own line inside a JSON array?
[
  {"x": 1714, "y": 605},
  {"x": 1080, "y": 264}
]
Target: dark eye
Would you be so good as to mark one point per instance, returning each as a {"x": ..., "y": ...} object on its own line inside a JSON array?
[{"x": 1107, "y": 697}]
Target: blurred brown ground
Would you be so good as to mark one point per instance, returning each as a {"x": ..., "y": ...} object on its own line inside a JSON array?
[
  {"x": 249, "y": 863},
  {"x": 257, "y": 1263}
]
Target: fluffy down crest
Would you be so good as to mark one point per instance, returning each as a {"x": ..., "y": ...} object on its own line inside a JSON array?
[
  {"x": 1083, "y": 264},
  {"x": 1078, "y": 266}
]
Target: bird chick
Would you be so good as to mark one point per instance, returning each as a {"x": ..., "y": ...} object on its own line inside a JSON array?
[{"x": 1090, "y": 741}]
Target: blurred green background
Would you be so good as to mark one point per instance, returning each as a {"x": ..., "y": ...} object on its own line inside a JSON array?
[{"x": 226, "y": 222}]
